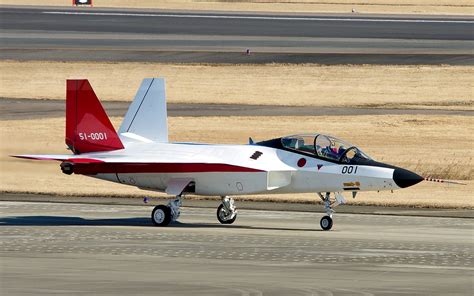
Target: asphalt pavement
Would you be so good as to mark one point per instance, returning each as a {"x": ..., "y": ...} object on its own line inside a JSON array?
[
  {"x": 80, "y": 249},
  {"x": 169, "y": 36},
  {"x": 16, "y": 109}
]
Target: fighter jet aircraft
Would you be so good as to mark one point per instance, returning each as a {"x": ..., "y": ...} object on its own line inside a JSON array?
[{"x": 140, "y": 155}]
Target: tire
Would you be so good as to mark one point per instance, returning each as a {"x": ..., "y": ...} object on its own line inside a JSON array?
[
  {"x": 221, "y": 215},
  {"x": 326, "y": 223},
  {"x": 161, "y": 215}
]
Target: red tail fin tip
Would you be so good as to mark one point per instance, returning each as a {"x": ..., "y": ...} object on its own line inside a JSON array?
[{"x": 88, "y": 128}]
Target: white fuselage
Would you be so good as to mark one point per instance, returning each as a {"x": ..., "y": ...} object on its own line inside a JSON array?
[{"x": 229, "y": 170}]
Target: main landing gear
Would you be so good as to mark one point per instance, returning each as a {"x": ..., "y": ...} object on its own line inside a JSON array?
[
  {"x": 226, "y": 212},
  {"x": 163, "y": 215},
  {"x": 326, "y": 221}
]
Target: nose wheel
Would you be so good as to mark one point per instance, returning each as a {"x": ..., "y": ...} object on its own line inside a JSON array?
[
  {"x": 226, "y": 212},
  {"x": 326, "y": 223}
]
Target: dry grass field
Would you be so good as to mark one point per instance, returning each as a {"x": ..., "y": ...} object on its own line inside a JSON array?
[
  {"x": 279, "y": 84},
  {"x": 440, "y": 146},
  {"x": 336, "y": 6}
]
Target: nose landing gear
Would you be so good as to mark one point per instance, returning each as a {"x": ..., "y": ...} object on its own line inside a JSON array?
[{"x": 326, "y": 221}]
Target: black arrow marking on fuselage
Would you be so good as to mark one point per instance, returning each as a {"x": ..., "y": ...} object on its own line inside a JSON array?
[{"x": 256, "y": 155}]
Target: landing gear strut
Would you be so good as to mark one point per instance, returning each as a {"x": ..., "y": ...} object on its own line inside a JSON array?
[
  {"x": 162, "y": 215},
  {"x": 326, "y": 221},
  {"x": 226, "y": 212}
]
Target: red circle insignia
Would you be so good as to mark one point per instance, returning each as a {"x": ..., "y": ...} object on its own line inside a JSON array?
[{"x": 301, "y": 162}]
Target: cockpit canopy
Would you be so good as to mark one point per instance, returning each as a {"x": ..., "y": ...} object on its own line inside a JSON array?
[{"x": 324, "y": 146}]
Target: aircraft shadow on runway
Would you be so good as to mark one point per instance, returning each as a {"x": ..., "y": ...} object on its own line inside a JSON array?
[
  {"x": 71, "y": 221},
  {"x": 137, "y": 221}
]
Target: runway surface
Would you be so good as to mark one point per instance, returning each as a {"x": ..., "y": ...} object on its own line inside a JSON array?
[
  {"x": 242, "y": 204},
  {"x": 169, "y": 36},
  {"x": 50, "y": 248},
  {"x": 15, "y": 109}
]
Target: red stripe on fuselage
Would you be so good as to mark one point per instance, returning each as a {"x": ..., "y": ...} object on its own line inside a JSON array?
[
  {"x": 85, "y": 160},
  {"x": 136, "y": 168}
]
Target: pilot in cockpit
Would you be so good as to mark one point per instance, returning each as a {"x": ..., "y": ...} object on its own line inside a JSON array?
[{"x": 323, "y": 146}]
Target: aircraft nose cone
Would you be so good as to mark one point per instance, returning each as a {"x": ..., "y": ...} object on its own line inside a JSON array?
[{"x": 405, "y": 178}]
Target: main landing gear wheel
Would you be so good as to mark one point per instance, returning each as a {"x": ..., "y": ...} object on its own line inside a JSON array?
[
  {"x": 224, "y": 217},
  {"x": 326, "y": 223},
  {"x": 161, "y": 215}
]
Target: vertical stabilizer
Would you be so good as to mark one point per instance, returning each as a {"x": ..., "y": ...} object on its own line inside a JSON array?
[
  {"x": 88, "y": 128},
  {"x": 146, "y": 118}
]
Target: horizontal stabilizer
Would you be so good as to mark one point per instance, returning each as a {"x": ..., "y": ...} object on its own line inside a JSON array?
[
  {"x": 146, "y": 117},
  {"x": 58, "y": 157}
]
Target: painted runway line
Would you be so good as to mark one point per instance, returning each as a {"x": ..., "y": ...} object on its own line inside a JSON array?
[{"x": 246, "y": 17}]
